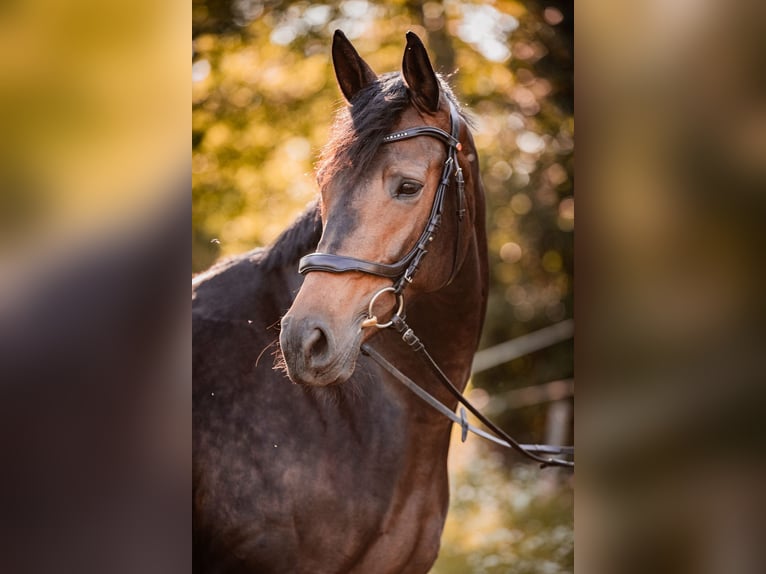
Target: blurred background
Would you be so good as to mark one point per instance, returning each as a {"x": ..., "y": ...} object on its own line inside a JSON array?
[
  {"x": 95, "y": 394},
  {"x": 670, "y": 292},
  {"x": 264, "y": 96}
]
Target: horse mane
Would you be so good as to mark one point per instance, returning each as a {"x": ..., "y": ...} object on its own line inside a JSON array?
[
  {"x": 359, "y": 128},
  {"x": 295, "y": 241}
]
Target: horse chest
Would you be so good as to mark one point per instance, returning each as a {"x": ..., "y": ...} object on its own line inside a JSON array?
[
  {"x": 374, "y": 507},
  {"x": 323, "y": 498},
  {"x": 372, "y": 528}
]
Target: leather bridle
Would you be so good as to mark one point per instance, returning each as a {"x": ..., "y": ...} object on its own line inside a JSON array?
[{"x": 403, "y": 271}]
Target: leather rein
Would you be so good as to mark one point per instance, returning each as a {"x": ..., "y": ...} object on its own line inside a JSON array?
[{"x": 402, "y": 272}]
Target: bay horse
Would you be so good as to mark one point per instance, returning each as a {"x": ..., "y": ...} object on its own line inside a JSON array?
[{"x": 319, "y": 461}]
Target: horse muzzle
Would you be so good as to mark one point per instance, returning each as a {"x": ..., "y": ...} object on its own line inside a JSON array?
[{"x": 314, "y": 354}]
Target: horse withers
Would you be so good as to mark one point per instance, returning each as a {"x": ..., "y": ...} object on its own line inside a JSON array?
[{"x": 308, "y": 456}]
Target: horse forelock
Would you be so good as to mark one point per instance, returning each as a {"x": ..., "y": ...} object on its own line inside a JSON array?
[{"x": 359, "y": 129}]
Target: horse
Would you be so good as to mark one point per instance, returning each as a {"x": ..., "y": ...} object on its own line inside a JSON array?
[{"x": 308, "y": 456}]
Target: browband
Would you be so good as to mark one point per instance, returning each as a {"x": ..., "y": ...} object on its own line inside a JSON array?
[{"x": 423, "y": 131}]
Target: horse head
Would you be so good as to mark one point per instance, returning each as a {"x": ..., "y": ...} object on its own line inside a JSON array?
[{"x": 396, "y": 148}]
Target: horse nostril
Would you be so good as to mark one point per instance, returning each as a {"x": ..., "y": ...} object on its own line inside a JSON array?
[
  {"x": 316, "y": 345},
  {"x": 309, "y": 349}
]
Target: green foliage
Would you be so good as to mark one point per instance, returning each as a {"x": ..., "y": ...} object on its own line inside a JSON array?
[{"x": 506, "y": 522}]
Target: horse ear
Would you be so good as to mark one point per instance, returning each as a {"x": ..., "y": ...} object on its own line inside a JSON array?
[
  {"x": 419, "y": 75},
  {"x": 352, "y": 72}
]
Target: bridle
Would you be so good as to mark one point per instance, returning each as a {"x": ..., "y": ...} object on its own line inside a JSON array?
[{"x": 403, "y": 271}]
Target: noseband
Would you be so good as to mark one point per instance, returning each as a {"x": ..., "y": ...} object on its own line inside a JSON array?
[{"x": 402, "y": 271}]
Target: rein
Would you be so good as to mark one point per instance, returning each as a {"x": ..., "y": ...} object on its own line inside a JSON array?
[
  {"x": 500, "y": 437},
  {"x": 402, "y": 272}
]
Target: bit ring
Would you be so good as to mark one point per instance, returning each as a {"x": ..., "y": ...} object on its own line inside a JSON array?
[{"x": 372, "y": 320}]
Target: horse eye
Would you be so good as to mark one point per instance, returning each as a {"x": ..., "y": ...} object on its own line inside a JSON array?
[{"x": 409, "y": 188}]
